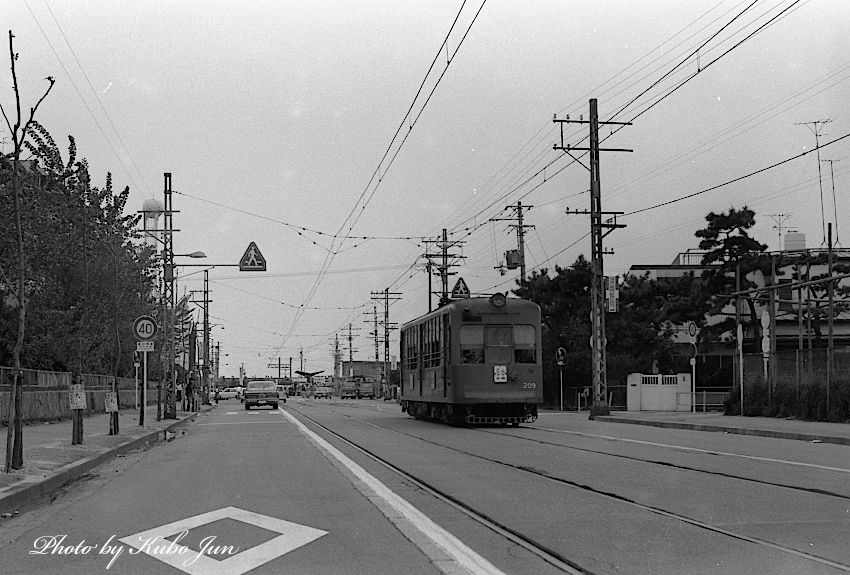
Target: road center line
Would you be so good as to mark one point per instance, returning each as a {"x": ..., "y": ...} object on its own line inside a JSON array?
[
  {"x": 457, "y": 550},
  {"x": 242, "y": 423}
]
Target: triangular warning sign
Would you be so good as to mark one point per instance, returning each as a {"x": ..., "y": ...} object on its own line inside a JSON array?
[
  {"x": 460, "y": 290},
  {"x": 252, "y": 260}
]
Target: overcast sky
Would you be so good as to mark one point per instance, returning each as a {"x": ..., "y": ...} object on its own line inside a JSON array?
[{"x": 278, "y": 120}]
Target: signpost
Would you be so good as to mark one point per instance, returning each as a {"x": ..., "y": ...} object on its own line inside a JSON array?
[
  {"x": 77, "y": 401},
  {"x": 692, "y": 335},
  {"x": 560, "y": 357},
  {"x": 145, "y": 329}
]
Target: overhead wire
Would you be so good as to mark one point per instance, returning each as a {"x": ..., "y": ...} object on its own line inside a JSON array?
[
  {"x": 83, "y": 99},
  {"x": 378, "y": 174}
]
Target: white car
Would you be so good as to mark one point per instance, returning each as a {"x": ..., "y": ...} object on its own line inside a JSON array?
[{"x": 228, "y": 393}]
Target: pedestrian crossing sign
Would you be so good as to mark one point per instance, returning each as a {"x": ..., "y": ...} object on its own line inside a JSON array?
[
  {"x": 460, "y": 291},
  {"x": 252, "y": 260}
]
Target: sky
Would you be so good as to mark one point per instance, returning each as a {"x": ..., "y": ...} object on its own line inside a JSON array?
[{"x": 339, "y": 136}]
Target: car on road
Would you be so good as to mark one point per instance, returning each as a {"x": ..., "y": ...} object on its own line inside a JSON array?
[
  {"x": 262, "y": 392},
  {"x": 323, "y": 392},
  {"x": 365, "y": 391},
  {"x": 227, "y": 393},
  {"x": 282, "y": 391}
]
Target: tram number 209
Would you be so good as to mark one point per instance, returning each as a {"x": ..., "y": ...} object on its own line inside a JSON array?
[{"x": 529, "y": 385}]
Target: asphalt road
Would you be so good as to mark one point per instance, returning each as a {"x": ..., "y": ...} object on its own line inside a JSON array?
[
  {"x": 613, "y": 498},
  {"x": 298, "y": 491}
]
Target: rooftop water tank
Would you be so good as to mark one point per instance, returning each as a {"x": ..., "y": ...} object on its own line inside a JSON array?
[{"x": 795, "y": 241}]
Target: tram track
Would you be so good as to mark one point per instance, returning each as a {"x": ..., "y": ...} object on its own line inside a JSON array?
[
  {"x": 550, "y": 556},
  {"x": 594, "y": 490}
]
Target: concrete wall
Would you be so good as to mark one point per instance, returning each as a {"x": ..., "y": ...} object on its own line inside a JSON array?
[{"x": 53, "y": 405}]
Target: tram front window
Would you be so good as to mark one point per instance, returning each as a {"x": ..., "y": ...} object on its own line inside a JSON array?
[
  {"x": 472, "y": 344},
  {"x": 498, "y": 344},
  {"x": 524, "y": 348}
]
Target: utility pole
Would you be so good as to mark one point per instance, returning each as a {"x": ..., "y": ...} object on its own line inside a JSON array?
[
  {"x": 375, "y": 333},
  {"x": 816, "y": 130},
  {"x": 834, "y": 204},
  {"x": 386, "y": 296},
  {"x": 279, "y": 366},
  {"x": 597, "y": 288},
  {"x": 337, "y": 357},
  {"x": 520, "y": 236},
  {"x": 206, "y": 372},
  {"x": 168, "y": 302},
  {"x": 444, "y": 267}
]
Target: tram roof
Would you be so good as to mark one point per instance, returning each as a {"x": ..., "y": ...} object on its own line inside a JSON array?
[{"x": 476, "y": 305}]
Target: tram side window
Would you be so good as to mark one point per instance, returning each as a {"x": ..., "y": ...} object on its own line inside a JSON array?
[
  {"x": 524, "y": 344},
  {"x": 498, "y": 344},
  {"x": 472, "y": 344}
]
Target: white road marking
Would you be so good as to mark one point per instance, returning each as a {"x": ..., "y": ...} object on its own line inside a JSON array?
[
  {"x": 242, "y": 423},
  {"x": 462, "y": 555},
  {"x": 232, "y": 412},
  {"x": 697, "y": 450},
  {"x": 292, "y": 536}
]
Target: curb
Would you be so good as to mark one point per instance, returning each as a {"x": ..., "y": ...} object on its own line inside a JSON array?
[
  {"x": 809, "y": 437},
  {"x": 35, "y": 491}
]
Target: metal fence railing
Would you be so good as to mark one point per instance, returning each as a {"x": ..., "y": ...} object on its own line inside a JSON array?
[{"x": 708, "y": 399}]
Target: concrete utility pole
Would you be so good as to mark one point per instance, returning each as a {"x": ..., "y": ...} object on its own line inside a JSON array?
[
  {"x": 597, "y": 288},
  {"x": 337, "y": 357},
  {"x": 816, "y": 130},
  {"x": 386, "y": 296},
  {"x": 444, "y": 267},
  {"x": 375, "y": 333},
  {"x": 834, "y": 204},
  {"x": 520, "y": 234}
]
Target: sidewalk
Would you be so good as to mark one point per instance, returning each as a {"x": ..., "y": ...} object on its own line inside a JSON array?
[
  {"x": 50, "y": 460},
  {"x": 761, "y": 426}
]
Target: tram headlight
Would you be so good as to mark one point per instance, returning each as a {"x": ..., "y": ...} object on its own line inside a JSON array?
[{"x": 498, "y": 300}]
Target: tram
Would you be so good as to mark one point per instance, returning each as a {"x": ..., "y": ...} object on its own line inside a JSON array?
[{"x": 474, "y": 361}]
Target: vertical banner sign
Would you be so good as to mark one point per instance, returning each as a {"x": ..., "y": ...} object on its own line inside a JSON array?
[
  {"x": 612, "y": 294},
  {"x": 111, "y": 402},
  {"x": 77, "y": 397}
]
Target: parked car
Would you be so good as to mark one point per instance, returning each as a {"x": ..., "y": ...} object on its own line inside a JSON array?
[
  {"x": 348, "y": 390},
  {"x": 261, "y": 393},
  {"x": 227, "y": 393},
  {"x": 365, "y": 391},
  {"x": 323, "y": 392},
  {"x": 282, "y": 391}
]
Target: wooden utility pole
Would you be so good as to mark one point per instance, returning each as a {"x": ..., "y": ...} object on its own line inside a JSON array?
[{"x": 597, "y": 234}]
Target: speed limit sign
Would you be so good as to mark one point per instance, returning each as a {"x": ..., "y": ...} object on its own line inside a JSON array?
[{"x": 144, "y": 327}]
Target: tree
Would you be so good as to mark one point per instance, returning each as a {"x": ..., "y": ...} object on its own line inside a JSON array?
[
  {"x": 19, "y": 133},
  {"x": 564, "y": 302},
  {"x": 733, "y": 254}
]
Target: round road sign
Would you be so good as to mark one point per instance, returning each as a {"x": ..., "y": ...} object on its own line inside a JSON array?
[{"x": 144, "y": 327}]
